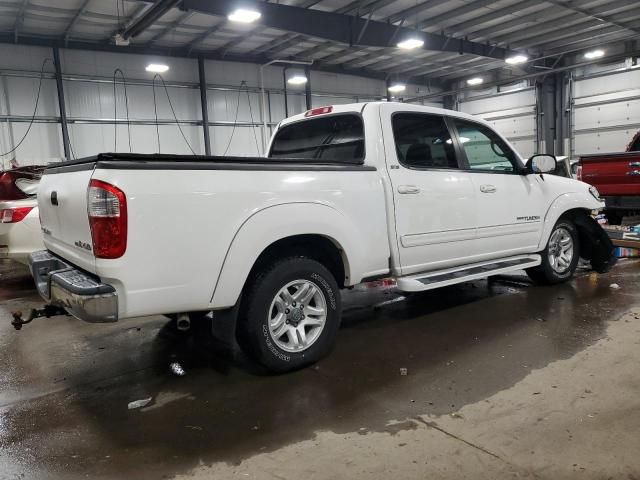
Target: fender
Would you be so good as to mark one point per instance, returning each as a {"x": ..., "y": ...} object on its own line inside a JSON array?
[
  {"x": 275, "y": 223},
  {"x": 562, "y": 204}
]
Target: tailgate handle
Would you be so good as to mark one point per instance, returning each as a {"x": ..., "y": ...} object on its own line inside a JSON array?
[
  {"x": 634, "y": 173},
  {"x": 54, "y": 198},
  {"x": 634, "y": 164}
]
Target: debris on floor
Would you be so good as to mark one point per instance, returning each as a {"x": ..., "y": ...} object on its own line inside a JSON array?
[
  {"x": 615, "y": 286},
  {"x": 404, "y": 372},
  {"x": 140, "y": 403}
]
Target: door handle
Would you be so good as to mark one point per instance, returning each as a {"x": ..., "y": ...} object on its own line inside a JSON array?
[
  {"x": 488, "y": 188},
  {"x": 634, "y": 164},
  {"x": 634, "y": 173},
  {"x": 408, "y": 189}
]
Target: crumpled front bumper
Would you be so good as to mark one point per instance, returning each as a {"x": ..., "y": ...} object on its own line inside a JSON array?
[{"x": 78, "y": 292}]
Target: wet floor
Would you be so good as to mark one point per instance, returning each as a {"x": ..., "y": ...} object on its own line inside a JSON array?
[{"x": 65, "y": 385}]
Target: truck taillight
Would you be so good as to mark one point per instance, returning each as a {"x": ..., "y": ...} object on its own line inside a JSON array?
[
  {"x": 14, "y": 215},
  {"x": 579, "y": 172},
  {"x": 107, "y": 206}
]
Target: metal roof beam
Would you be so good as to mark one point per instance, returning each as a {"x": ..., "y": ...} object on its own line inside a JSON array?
[
  {"x": 343, "y": 28},
  {"x": 594, "y": 14},
  {"x": 169, "y": 28},
  {"x": 19, "y": 20},
  {"x": 74, "y": 20}
]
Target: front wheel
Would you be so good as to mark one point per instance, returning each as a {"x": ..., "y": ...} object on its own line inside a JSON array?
[
  {"x": 560, "y": 257},
  {"x": 290, "y": 314}
]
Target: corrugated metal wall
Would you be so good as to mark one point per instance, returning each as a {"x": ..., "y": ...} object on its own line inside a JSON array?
[{"x": 90, "y": 103}]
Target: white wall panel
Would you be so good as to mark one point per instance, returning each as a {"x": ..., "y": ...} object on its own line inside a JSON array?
[
  {"x": 90, "y": 102},
  {"x": 512, "y": 114},
  {"x": 606, "y": 112}
]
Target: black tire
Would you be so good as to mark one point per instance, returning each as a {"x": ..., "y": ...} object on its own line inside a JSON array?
[
  {"x": 545, "y": 274},
  {"x": 253, "y": 332}
]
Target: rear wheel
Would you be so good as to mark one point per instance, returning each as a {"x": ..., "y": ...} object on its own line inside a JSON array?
[
  {"x": 290, "y": 314},
  {"x": 560, "y": 257}
]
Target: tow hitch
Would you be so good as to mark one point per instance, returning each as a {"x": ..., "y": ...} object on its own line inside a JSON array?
[{"x": 46, "y": 311}]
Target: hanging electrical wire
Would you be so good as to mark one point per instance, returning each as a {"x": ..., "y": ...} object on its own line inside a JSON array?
[
  {"x": 115, "y": 110},
  {"x": 235, "y": 120},
  {"x": 253, "y": 123},
  {"x": 155, "y": 110},
  {"x": 175, "y": 117},
  {"x": 35, "y": 109}
]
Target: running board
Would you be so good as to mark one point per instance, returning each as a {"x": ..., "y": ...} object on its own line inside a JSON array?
[{"x": 451, "y": 276}]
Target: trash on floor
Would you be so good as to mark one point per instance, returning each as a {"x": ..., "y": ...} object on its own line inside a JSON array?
[{"x": 140, "y": 403}]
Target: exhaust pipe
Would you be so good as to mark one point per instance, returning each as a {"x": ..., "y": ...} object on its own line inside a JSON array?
[{"x": 184, "y": 322}]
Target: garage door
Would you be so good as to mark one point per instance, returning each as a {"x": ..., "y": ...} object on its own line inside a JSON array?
[
  {"x": 606, "y": 112},
  {"x": 513, "y": 114}
]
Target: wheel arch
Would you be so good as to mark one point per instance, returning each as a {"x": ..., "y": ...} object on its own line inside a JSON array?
[{"x": 315, "y": 230}]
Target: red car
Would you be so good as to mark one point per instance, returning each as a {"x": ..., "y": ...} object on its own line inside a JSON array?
[
  {"x": 617, "y": 178},
  {"x": 19, "y": 183}
]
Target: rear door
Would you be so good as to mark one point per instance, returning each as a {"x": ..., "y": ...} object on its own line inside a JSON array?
[
  {"x": 434, "y": 199},
  {"x": 510, "y": 205},
  {"x": 62, "y": 199}
]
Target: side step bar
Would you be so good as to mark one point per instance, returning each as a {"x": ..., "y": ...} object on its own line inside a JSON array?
[{"x": 451, "y": 276}]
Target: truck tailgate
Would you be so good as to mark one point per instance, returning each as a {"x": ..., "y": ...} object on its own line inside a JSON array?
[
  {"x": 612, "y": 174},
  {"x": 62, "y": 198}
]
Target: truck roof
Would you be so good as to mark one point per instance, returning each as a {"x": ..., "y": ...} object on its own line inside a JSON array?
[{"x": 359, "y": 107}]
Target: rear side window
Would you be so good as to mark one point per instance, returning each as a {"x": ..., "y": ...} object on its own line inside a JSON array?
[
  {"x": 337, "y": 138},
  {"x": 423, "y": 141}
]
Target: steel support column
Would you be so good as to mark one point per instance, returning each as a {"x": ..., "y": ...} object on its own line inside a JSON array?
[
  {"x": 284, "y": 87},
  {"x": 61, "y": 103},
  {"x": 204, "y": 106},
  {"x": 307, "y": 87}
]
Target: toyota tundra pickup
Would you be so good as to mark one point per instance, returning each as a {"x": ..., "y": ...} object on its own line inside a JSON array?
[
  {"x": 346, "y": 194},
  {"x": 617, "y": 178}
]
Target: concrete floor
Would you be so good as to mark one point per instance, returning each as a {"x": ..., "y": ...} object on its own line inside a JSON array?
[{"x": 505, "y": 380}]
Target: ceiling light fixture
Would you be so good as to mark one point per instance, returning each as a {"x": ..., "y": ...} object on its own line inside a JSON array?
[
  {"x": 157, "y": 68},
  {"x": 244, "y": 15},
  {"x": 594, "y": 54},
  {"x": 397, "y": 88},
  {"x": 516, "y": 59},
  {"x": 411, "y": 43},
  {"x": 475, "y": 81},
  {"x": 297, "y": 80}
]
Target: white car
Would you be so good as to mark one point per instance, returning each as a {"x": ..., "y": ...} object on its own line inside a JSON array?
[
  {"x": 346, "y": 194},
  {"x": 20, "y": 233}
]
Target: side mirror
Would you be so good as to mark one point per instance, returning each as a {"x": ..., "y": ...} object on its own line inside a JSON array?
[{"x": 542, "y": 163}]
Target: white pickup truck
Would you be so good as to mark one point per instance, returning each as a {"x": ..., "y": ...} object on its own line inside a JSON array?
[{"x": 346, "y": 194}]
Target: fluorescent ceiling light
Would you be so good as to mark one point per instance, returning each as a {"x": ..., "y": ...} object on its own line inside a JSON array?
[
  {"x": 516, "y": 59},
  {"x": 157, "y": 68},
  {"x": 397, "y": 88},
  {"x": 411, "y": 43},
  {"x": 594, "y": 54},
  {"x": 475, "y": 81},
  {"x": 243, "y": 15},
  {"x": 297, "y": 80}
]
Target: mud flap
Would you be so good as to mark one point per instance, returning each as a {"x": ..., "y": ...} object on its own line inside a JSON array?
[{"x": 596, "y": 245}]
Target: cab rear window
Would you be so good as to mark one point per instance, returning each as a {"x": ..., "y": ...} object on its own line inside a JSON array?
[{"x": 334, "y": 138}]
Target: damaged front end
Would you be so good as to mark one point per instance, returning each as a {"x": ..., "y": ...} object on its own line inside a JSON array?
[{"x": 595, "y": 244}]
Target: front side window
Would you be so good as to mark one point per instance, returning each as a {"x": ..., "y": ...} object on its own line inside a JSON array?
[
  {"x": 423, "y": 141},
  {"x": 635, "y": 145},
  {"x": 336, "y": 138},
  {"x": 484, "y": 149}
]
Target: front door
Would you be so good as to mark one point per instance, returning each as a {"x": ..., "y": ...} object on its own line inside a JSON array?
[
  {"x": 510, "y": 205},
  {"x": 434, "y": 199}
]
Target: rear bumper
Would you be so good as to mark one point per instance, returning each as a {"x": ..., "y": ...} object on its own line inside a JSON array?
[{"x": 80, "y": 293}]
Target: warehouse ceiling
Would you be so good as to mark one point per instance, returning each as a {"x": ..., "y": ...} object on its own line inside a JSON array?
[{"x": 462, "y": 38}]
